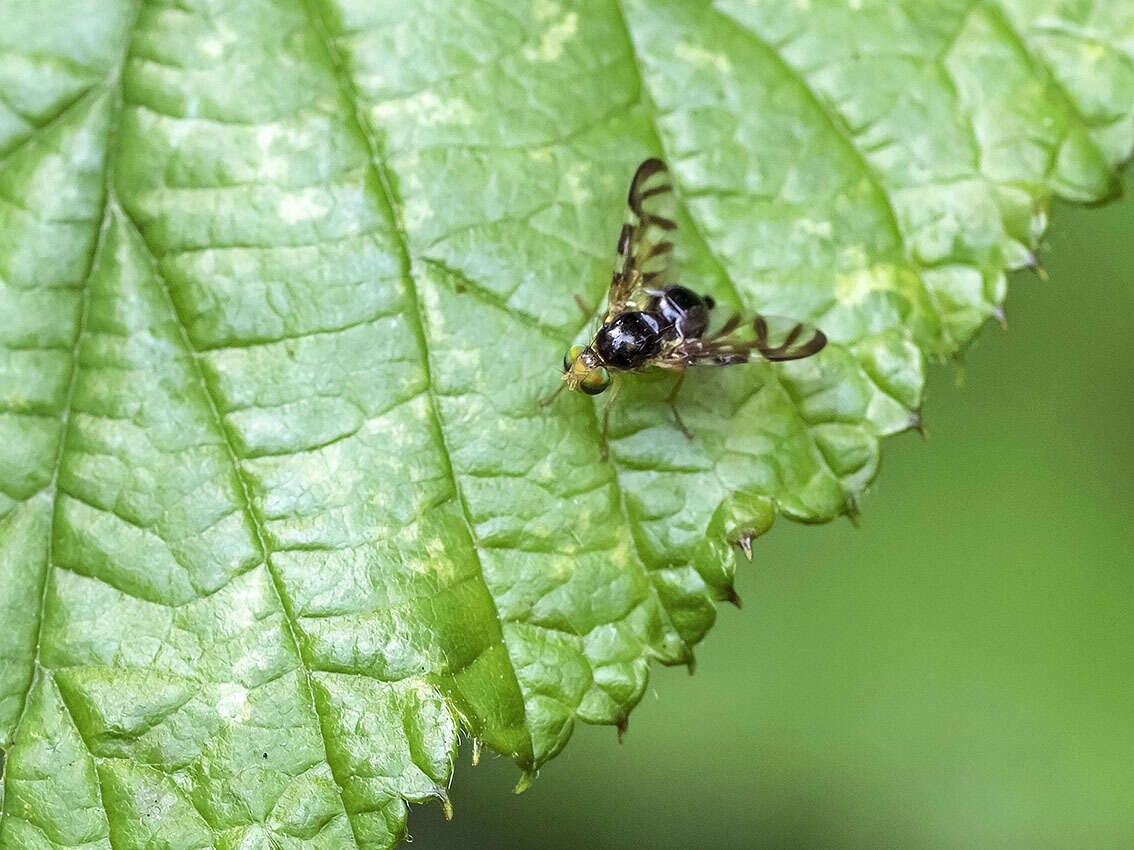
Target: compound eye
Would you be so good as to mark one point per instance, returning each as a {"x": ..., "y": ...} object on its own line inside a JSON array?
[
  {"x": 595, "y": 381},
  {"x": 572, "y": 354}
]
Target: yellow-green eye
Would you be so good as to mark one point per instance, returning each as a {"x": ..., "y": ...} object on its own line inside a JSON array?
[
  {"x": 573, "y": 352},
  {"x": 595, "y": 381}
]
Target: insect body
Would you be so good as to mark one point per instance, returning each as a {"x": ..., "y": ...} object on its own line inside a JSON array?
[
  {"x": 683, "y": 310},
  {"x": 651, "y": 321},
  {"x": 629, "y": 339}
]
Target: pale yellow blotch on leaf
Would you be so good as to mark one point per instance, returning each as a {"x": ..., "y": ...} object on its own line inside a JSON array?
[
  {"x": 697, "y": 55},
  {"x": 302, "y": 206},
  {"x": 552, "y": 41},
  {"x": 416, "y": 212},
  {"x": 852, "y": 287},
  {"x": 232, "y": 701},
  {"x": 425, "y": 109}
]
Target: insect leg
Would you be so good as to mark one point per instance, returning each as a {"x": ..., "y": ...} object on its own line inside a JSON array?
[
  {"x": 671, "y": 399},
  {"x": 544, "y": 402},
  {"x": 614, "y": 390},
  {"x": 587, "y": 309}
]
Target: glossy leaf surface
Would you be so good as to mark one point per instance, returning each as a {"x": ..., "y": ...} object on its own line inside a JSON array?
[{"x": 281, "y": 283}]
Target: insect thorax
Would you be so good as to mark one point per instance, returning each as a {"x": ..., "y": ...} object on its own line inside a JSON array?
[{"x": 629, "y": 339}]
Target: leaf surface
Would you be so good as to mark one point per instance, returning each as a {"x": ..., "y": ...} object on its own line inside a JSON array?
[{"x": 280, "y": 285}]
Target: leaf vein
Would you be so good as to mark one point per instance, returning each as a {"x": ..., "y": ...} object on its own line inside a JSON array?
[
  {"x": 52, "y": 488},
  {"x": 245, "y": 495},
  {"x": 1002, "y": 20},
  {"x": 814, "y": 446},
  {"x": 350, "y": 92},
  {"x": 46, "y": 127}
]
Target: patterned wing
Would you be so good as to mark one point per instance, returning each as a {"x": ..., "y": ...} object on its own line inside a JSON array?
[
  {"x": 767, "y": 338},
  {"x": 645, "y": 249}
]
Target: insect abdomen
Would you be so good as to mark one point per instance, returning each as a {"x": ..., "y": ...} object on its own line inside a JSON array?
[{"x": 682, "y": 312}]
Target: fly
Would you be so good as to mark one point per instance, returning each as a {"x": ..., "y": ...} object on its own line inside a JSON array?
[{"x": 653, "y": 322}]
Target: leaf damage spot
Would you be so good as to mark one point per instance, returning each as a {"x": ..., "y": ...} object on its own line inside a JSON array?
[
  {"x": 232, "y": 701},
  {"x": 416, "y": 212},
  {"x": 302, "y": 206},
  {"x": 699, "y": 57},
  {"x": 553, "y": 39},
  {"x": 851, "y": 287},
  {"x": 426, "y": 109}
]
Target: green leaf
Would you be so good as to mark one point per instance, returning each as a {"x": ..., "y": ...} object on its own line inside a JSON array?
[{"x": 280, "y": 285}]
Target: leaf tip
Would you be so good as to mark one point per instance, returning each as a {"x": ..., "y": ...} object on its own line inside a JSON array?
[
  {"x": 525, "y": 783},
  {"x": 916, "y": 424},
  {"x": 622, "y": 725},
  {"x": 745, "y": 542},
  {"x": 959, "y": 373},
  {"x": 743, "y": 518},
  {"x": 1032, "y": 264},
  {"x": 731, "y": 595}
]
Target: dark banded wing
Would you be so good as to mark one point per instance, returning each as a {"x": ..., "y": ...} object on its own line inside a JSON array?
[
  {"x": 766, "y": 338},
  {"x": 778, "y": 338},
  {"x": 645, "y": 246}
]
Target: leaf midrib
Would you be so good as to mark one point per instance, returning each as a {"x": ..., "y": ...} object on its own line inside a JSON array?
[
  {"x": 821, "y": 460},
  {"x": 248, "y": 506},
  {"x": 378, "y": 167},
  {"x": 112, "y": 81},
  {"x": 110, "y": 207},
  {"x": 52, "y": 493},
  {"x": 401, "y": 237}
]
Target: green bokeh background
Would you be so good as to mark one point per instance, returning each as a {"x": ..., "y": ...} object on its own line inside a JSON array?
[{"x": 958, "y": 672}]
